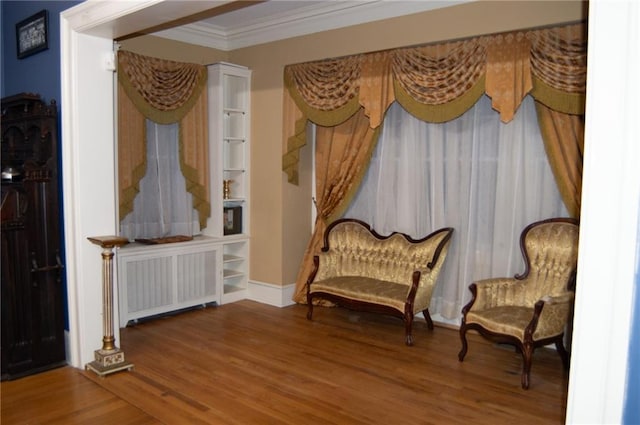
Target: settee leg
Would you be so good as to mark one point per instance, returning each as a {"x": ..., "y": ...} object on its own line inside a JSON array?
[
  {"x": 408, "y": 340},
  {"x": 310, "y": 310},
  {"x": 408, "y": 324},
  {"x": 463, "y": 338}
]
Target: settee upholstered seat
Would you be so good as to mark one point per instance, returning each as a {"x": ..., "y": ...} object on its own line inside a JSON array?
[{"x": 362, "y": 270}]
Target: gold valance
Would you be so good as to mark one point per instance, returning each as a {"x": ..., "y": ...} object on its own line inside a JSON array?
[
  {"x": 163, "y": 90},
  {"x": 439, "y": 82}
]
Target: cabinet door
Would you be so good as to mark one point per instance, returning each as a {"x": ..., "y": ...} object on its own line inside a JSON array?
[
  {"x": 32, "y": 286},
  {"x": 32, "y": 293}
]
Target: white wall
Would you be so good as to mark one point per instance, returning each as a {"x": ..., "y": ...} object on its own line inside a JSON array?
[
  {"x": 88, "y": 183},
  {"x": 88, "y": 152},
  {"x": 609, "y": 216}
]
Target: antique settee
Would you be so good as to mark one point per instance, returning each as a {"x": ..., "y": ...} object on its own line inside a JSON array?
[{"x": 362, "y": 270}]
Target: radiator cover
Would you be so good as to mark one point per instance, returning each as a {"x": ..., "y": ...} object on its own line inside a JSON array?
[{"x": 157, "y": 279}]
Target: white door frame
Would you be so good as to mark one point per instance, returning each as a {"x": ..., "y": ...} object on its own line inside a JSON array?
[{"x": 609, "y": 233}]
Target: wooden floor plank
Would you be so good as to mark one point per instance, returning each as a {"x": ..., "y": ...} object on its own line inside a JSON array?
[
  {"x": 249, "y": 363},
  {"x": 65, "y": 396}
]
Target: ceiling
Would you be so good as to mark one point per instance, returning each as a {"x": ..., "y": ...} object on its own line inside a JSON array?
[{"x": 248, "y": 23}]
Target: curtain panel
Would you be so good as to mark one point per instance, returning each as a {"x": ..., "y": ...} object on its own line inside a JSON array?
[
  {"x": 165, "y": 92},
  {"x": 342, "y": 157},
  {"x": 438, "y": 83}
]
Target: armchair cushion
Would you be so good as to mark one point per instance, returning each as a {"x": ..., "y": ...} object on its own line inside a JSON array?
[{"x": 531, "y": 309}]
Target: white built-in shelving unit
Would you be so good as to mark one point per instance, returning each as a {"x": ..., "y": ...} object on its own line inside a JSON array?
[{"x": 229, "y": 107}]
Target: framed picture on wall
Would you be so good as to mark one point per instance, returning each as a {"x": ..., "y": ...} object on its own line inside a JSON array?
[{"x": 32, "y": 34}]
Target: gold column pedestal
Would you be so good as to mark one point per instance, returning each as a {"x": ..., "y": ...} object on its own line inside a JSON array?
[{"x": 109, "y": 358}]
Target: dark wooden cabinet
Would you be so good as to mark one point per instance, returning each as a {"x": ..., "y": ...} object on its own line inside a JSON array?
[{"x": 32, "y": 294}]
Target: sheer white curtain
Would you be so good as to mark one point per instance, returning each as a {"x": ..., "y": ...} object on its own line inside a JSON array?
[
  {"x": 163, "y": 207},
  {"x": 484, "y": 178}
]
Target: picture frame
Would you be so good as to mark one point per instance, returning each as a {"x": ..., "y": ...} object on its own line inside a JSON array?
[
  {"x": 232, "y": 220},
  {"x": 32, "y": 34}
]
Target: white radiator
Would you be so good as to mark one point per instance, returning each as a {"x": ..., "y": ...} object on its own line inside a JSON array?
[{"x": 159, "y": 279}]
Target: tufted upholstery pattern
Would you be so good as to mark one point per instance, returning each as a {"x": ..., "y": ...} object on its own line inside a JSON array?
[
  {"x": 358, "y": 265},
  {"x": 506, "y": 305},
  {"x": 533, "y": 308},
  {"x": 362, "y": 266}
]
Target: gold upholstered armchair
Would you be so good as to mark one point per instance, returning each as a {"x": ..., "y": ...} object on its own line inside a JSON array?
[{"x": 531, "y": 309}]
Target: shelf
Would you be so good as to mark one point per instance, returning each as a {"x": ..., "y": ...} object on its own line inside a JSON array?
[
  {"x": 234, "y": 154},
  {"x": 235, "y": 88},
  {"x": 235, "y": 238},
  {"x": 229, "y": 274},
  {"x": 228, "y": 289},
  {"x": 228, "y": 258}
]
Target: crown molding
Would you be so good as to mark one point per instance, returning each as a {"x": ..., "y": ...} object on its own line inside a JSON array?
[{"x": 297, "y": 22}]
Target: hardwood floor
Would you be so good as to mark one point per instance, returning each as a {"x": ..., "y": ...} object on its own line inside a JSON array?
[{"x": 249, "y": 363}]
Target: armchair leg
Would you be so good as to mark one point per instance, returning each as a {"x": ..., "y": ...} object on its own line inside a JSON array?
[
  {"x": 527, "y": 354},
  {"x": 563, "y": 353}
]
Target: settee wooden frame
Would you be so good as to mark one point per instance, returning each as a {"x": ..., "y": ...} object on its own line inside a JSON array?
[{"x": 407, "y": 313}]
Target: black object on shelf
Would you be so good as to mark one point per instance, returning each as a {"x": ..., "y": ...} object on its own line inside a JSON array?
[{"x": 232, "y": 220}]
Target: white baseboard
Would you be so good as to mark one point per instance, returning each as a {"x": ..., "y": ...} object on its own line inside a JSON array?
[
  {"x": 267, "y": 293},
  {"x": 67, "y": 348}
]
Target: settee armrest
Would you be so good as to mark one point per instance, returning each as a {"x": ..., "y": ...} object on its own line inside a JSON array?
[
  {"x": 424, "y": 286},
  {"x": 327, "y": 264},
  {"x": 314, "y": 271}
]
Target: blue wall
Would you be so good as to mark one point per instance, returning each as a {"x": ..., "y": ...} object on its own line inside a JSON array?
[
  {"x": 38, "y": 73},
  {"x": 631, "y": 413}
]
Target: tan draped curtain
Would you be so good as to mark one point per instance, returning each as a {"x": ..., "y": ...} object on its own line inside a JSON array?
[
  {"x": 343, "y": 153},
  {"x": 559, "y": 73},
  {"x": 165, "y": 92},
  {"x": 563, "y": 136},
  {"x": 438, "y": 83}
]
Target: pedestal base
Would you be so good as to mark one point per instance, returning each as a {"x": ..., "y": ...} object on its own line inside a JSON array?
[{"x": 107, "y": 362}]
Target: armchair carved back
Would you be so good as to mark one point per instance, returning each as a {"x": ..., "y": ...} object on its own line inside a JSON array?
[{"x": 550, "y": 250}]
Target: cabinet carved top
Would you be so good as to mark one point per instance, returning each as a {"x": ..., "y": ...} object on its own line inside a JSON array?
[{"x": 27, "y": 105}]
